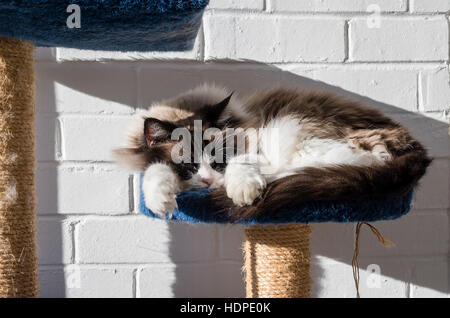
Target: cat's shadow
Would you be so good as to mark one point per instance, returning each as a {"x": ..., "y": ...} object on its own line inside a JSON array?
[{"x": 420, "y": 256}]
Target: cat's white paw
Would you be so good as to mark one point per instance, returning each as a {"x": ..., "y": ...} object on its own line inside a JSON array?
[
  {"x": 383, "y": 156},
  {"x": 381, "y": 153},
  {"x": 160, "y": 187},
  {"x": 161, "y": 202},
  {"x": 243, "y": 183}
]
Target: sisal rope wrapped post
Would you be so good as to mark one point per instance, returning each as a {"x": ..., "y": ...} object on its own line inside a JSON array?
[
  {"x": 18, "y": 261},
  {"x": 277, "y": 261}
]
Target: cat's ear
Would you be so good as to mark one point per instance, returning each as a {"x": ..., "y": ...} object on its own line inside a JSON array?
[
  {"x": 156, "y": 130},
  {"x": 212, "y": 113}
]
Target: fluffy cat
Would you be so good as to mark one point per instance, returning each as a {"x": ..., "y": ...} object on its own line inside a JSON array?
[{"x": 302, "y": 146}]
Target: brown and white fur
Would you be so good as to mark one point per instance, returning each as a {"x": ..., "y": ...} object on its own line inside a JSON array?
[{"x": 327, "y": 148}]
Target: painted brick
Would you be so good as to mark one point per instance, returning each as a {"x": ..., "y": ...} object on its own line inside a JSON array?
[
  {"x": 302, "y": 77},
  {"x": 333, "y": 240},
  {"x": 52, "y": 282},
  {"x": 159, "y": 82},
  {"x": 394, "y": 88},
  {"x": 335, "y": 279},
  {"x": 413, "y": 234},
  {"x": 46, "y": 134},
  {"x": 68, "y": 190},
  {"x": 231, "y": 240},
  {"x": 101, "y": 282},
  {"x": 92, "y": 138},
  {"x": 430, "y": 279},
  {"x": 286, "y": 39},
  {"x": 236, "y": 4},
  {"x": 430, "y": 6},
  {"x": 242, "y": 79},
  {"x": 68, "y": 54},
  {"x": 434, "y": 188},
  {"x": 222, "y": 279},
  {"x": 45, "y": 54},
  {"x": 297, "y": 44},
  {"x": 399, "y": 39},
  {"x": 220, "y": 42},
  {"x": 143, "y": 240},
  {"x": 435, "y": 87},
  {"x": 87, "y": 88},
  {"x": 54, "y": 241},
  {"x": 337, "y": 6},
  {"x": 430, "y": 129},
  {"x": 74, "y": 281},
  {"x": 392, "y": 280}
]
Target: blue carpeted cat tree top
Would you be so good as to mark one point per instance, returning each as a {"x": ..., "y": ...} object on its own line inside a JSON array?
[
  {"x": 276, "y": 259},
  {"x": 367, "y": 209},
  {"x": 115, "y": 25}
]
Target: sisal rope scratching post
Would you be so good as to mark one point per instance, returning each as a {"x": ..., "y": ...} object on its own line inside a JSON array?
[
  {"x": 18, "y": 261},
  {"x": 277, "y": 261}
]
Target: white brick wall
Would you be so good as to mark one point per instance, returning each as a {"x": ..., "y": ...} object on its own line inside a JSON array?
[
  {"x": 430, "y": 6},
  {"x": 336, "y": 6},
  {"x": 390, "y": 54},
  {"x": 399, "y": 39},
  {"x": 228, "y": 36}
]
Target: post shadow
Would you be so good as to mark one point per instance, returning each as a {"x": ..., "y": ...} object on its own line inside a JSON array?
[{"x": 50, "y": 238}]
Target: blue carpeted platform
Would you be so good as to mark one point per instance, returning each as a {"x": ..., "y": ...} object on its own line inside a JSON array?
[
  {"x": 116, "y": 25},
  {"x": 355, "y": 210}
]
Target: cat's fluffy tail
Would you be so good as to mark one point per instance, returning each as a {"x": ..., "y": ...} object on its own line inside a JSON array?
[{"x": 392, "y": 179}]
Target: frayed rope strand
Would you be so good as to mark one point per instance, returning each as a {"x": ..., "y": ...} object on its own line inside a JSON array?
[{"x": 355, "y": 265}]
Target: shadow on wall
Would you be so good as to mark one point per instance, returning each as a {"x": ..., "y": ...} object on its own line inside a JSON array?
[
  {"x": 207, "y": 263},
  {"x": 422, "y": 243},
  {"x": 51, "y": 240}
]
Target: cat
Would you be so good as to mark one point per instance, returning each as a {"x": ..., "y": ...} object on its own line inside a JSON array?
[{"x": 304, "y": 146}]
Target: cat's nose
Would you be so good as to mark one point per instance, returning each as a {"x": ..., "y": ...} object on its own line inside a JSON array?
[{"x": 208, "y": 181}]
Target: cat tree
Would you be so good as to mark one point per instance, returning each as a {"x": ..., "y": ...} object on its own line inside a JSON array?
[{"x": 276, "y": 247}]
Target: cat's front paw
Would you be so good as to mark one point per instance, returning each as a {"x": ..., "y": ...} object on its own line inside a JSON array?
[
  {"x": 381, "y": 153},
  {"x": 160, "y": 187},
  {"x": 161, "y": 202},
  {"x": 243, "y": 183}
]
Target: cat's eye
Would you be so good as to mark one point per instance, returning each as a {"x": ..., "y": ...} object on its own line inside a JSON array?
[{"x": 219, "y": 167}]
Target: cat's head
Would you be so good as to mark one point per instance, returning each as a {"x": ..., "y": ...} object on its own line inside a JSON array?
[{"x": 166, "y": 133}]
